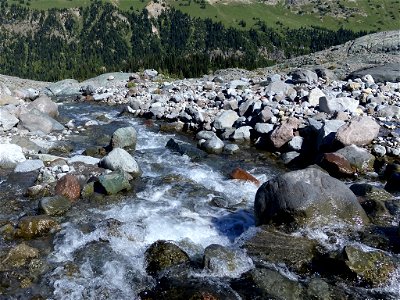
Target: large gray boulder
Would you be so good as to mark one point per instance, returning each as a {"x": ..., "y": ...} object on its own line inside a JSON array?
[
  {"x": 304, "y": 76},
  {"x": 213, "y": 145},
  {"x": 388, "y": 72},
  {"x": 7, "y": 119},
  {"x": 332, "y": 105},
  {"x": 119, "y": 159},
  {"x": 45, "y": 105},
  {"x": 124, "y": 137},
  {"x": 307, "y": 197},
  {"x": 66, "y": 87},
  {"x": 36, "y": 121},
  {"x": 225, "y": 120},
  {"x": 10, "y": 155},
  {"x": 359, "y": 131}
]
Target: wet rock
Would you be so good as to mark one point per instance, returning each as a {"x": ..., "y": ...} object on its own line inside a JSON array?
[
  {"x": 359, "y": 131},
  {"x": 225, "y": 120},
  {"x": 372, "y": 266},
  {"x": 162, "y": 255},
  {"x": 269, "y": 245},
  {"x": 119, "y": 159},
  {"x": 373, "y": 200},
  {"x": 125, "y": 137},
  {"x": 18, "y": 256},
  {"x": 10, "y": 155},
  {"x": 272, "y": 284},
  {"x": 188, "y": 288},
  {"x": 332, "y": 105},
  {"x": 222, "y": 261},
  {"x": 35, "y": 226},
  {"x": 44, "y": 105},
  {"x": 284, "y": 133},
  {"x": 304, "y": 76},
  {"x": 29, "y": 166},
  {"x": 241, "y": 174},
  {"x": 337, "y": 165},
  {"x": 319, "y": 289},
  {"x": 69, "y": 187},
  {"x": 185, "y": 149},
  {"x": 307, "y": 196},
  {"x": 7, "y": 119},
  {"x": 54, "y": 206},
  {"x": 359, "y": 158},
  {"x": 213, "y": 145},
  {"x": 114, "y": 182}
]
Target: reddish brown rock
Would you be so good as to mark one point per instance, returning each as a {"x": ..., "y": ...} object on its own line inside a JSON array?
[
  {"x": 68, "y": 186},
  {"x": 241, "y": 174},
  {"x": 337, "y": 165},
  {"x": 284, "y": 133}
]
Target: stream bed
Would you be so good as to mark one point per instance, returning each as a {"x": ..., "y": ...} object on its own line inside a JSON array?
[{"x": 99, "y": 251}]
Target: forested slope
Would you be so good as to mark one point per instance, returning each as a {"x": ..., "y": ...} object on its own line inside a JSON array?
[{"x": 83, "y": 42}]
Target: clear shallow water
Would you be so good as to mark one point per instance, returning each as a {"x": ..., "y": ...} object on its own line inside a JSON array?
[{"x": 99, "y": 253}]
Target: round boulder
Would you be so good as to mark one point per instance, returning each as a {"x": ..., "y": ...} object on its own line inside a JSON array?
[
  {"x": 307, "y": 197},
  {"x": 162, "y": 255},
  {"x": 124, "y": 137},
  {"x": 119, "y": 159},
  {"x": 359, "y": 131}
]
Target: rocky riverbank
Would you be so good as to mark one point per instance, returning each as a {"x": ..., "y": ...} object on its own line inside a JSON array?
[{"x": 321, "y": 127}]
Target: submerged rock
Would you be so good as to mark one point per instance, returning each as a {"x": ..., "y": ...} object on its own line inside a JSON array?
[
  {"x": 54, "y": 206},
  {"x": 373, "y": 266},
  {"x": 222, "y": 261},
  {"x": 241, "y": 174},
  {"x": 307, "y": 197},
  {"x": 269, "y": 245}
]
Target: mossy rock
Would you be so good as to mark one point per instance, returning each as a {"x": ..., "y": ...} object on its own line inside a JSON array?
[
  {"x": 54, "y": 206},
  {"x": 162, "y": 255},
  {"x": 373, "y": 267},
  {"x": 36, "y": 226}
]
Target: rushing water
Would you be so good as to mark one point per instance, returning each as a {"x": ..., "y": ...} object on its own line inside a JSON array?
[
  {"x": 174, "y": 203},
  {"x": 99, "y": 251}
]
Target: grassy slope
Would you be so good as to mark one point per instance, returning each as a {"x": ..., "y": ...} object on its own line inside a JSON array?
[{"x": 382, "y": 14}]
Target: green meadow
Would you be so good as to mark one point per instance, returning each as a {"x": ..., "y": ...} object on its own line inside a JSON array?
[{"x": 369, "y": 15}]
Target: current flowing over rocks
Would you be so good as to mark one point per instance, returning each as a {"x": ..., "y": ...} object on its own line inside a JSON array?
[{"x": 136, "y": 185}]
